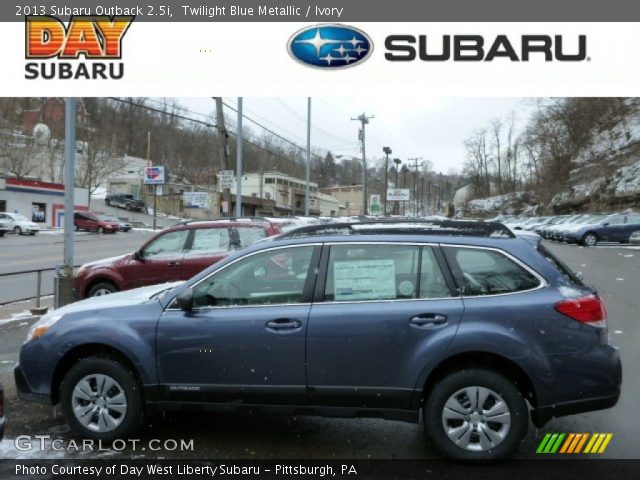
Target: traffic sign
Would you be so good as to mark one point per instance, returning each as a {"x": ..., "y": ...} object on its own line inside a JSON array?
[{"x": 225, "y": 179}]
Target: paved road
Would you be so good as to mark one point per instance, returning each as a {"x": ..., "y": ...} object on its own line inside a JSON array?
[
  {"x": 616, "y": 272},
  {"x": 20, "y": 253}
]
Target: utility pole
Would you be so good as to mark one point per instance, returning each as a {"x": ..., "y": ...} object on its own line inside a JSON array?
[
  {"x": 415, "y": 196},
  {"x": 422, "y": 197},
  {"x": 429, "y": 196},
  {"x": 364, "y": 120},
  {"x": 405, "y": 169},
  {"x": 396, "y": 208},
  {"x": 387, "y": 151},
  {"x": 66, "y": 279},
  {"x": 307, "y": 199},
  {"x": 239, "y": 138},
  {"x": 223, "y": 143}
]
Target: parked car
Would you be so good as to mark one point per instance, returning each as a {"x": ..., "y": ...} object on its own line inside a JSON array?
[
  {"x": 94, "y": 222},
  {"x": 19, "y": 224},
  {"x": 2, "y": 412},
  {"x": 611, "y": 228},
  {"x": 129, "y": 202},
  {"x": 122, "y": 225},
  {"x": 346, "y": 320},
  {"x": 177, "y": 253},
  {"x": 4, "y": 227}
]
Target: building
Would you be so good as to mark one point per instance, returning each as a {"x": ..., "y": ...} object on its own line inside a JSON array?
[
  {"x": 41, "y": 202},
  {"x": 287, "y": 193},
  {"x": 329, "y": 205},
  {"x": 348, "y": 195}
]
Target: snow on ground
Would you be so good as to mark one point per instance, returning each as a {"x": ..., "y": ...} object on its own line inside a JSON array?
[{"x": 17, "y": 316}]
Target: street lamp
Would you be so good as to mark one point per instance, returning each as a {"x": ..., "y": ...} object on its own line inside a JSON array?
[
  {"x": 387, "y": 151},
  {"x": 397, "y": 161}
]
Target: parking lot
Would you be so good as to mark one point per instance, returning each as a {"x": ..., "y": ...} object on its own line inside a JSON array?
[{"x": 613, "y": 269}]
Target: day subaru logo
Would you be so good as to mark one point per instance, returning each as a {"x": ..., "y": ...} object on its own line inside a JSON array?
[{"x": 330, "y": 46}]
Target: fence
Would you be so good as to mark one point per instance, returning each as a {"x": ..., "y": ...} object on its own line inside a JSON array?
[{"x": 6, "y": 289}]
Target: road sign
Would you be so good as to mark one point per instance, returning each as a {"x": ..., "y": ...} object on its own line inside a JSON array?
[
  {"x": 374, "y": 204},
  {"x": 225, "y": 178},
  {"x": 153, "y": 176},
  {"x": 398, "y": 194},
  {"x": 225, "y": 207}
]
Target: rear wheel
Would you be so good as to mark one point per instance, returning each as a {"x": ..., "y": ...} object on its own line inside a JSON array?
[
  {"x": 101, "y": 399},
  {"x": 102, "y": 288},
  {"x": 589, "y": 239},
  {"x": 476, "y": 414}
]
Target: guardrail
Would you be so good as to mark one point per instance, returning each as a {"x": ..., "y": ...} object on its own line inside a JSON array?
[{"x": 38, "y": 293}]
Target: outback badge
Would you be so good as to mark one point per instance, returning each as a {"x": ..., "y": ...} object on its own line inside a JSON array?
[{"x": 330, "y": 46}]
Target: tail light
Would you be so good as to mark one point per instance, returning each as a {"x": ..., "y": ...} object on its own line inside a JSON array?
[
  {"x": 589, "y": 310},
  {"x": 1, "y": 404}
]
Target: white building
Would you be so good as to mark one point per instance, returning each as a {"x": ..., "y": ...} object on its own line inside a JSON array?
[{"x": 287, "y": 192}]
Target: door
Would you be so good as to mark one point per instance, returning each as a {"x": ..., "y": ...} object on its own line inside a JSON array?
[
  {"x": 383, "y": 312},
  {"x": 161, "y": 259},
  {"x": 245, "y": 339},
  {"x": 613, "y": 229}
]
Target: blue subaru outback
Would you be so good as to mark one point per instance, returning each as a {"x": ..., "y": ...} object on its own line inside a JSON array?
[{"x": 478, "y": 330}]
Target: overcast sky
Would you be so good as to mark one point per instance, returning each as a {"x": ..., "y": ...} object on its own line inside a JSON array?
[{"x": 431, "y": 128}]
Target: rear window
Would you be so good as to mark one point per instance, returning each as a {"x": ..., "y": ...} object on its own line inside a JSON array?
[
  {"x": 567, "y": 273},
  {"x": 487, "y": 272}
]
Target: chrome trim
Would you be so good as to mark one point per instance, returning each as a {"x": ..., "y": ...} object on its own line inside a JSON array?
[{"x": 543, "y": 281}]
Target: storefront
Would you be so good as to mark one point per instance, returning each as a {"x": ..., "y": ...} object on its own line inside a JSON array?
[{"x": 42, "y": 202}]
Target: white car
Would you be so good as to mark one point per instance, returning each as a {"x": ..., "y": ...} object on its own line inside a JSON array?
[{"x": 19, "y": 224}]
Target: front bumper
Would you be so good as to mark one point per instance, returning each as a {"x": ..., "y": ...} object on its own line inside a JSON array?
[{"x": 25, "y": 392}]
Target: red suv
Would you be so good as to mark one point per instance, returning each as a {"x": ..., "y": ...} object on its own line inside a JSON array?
[
  {"x": 94, "y": 222},
  {"x": 177, "y": 253}
]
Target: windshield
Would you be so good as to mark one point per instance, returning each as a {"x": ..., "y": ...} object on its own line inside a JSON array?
[{"x": 20, "y": 218}]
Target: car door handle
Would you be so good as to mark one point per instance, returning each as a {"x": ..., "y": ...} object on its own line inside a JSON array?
[
  {"x": 428, "y": 319},
  {"x": 280, "y": 324},
  {"x": 173, "y": 264}
]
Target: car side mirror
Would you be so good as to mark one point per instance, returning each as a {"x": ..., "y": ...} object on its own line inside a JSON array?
[
  {"x": 185, "y": 300},
  {"x": 606, "y": 224},
  {"x": 138, "y": 255}
]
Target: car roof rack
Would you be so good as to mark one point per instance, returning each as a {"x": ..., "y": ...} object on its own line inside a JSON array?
[
  {"x": 224, "y": 219},
  {"x": 466, "y": 228}
]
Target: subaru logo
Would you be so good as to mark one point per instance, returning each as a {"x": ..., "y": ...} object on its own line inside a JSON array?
[{"x": 330, "y": 46}]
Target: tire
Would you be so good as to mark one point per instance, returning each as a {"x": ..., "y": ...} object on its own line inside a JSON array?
[
  {"x": 17, "y": 230},
  {"x": 116, "y": 413},
  {"x": 128, "y": 206},
  {"x": 32, "y": 233},
  {"x": 102, "y": 288},
  {"x": 107, "y": 202},
  {"x": 589, "y": 239},
  {"x": 2, "y": 232},
  {"x": 506, "y": 435}
]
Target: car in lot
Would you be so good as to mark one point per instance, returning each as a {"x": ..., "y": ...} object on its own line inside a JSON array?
[
  {"x": 607, "y": 228},
  {"x": 177, "y": 253},
  {"x": 122, "y": 225},
  {"x": 94, "y": 222},
  {"x": 126, "y": 201},
  {"x": 4, "y": 227},
  {"x": 344, "y": 320},
  {"x": 2, "y": 412},
  {"x": 19, "y": 224}
]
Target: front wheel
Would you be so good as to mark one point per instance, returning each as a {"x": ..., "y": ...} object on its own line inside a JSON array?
[
  {"x": 17, "y": 231},
  {"x": 590, "y": 239},
  {"x": 101, "y": 399},
  {"x": 476, "y": 414},
  {"x": 102, "y": 288}
]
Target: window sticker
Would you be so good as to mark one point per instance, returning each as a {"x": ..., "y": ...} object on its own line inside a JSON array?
[{"x": 364, "y": 280}]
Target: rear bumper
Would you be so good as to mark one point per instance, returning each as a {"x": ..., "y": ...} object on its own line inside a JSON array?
[
  {"x": 608, "y": 398},
  {"x": 25, "y": 392}
]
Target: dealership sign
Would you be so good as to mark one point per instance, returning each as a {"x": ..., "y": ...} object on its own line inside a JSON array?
[
  {"x": 153, "y": 176},
  {"x": 398, "y": 194},
  {"x": 196, "y": 199}
]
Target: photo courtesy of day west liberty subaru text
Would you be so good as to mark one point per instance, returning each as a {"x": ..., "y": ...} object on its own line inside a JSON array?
[{"x": 84, "y": 48}]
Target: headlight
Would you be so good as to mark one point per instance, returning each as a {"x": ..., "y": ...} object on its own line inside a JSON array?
[{"x": 41, "y": 326}]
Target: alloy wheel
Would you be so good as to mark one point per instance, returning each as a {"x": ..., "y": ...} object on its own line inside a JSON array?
[{"x": 99, "y": 403}]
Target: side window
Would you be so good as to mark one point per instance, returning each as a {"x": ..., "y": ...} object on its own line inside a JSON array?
[
  {"x": 166, "y": 245},
  {"x": 249, "y": 236},
  {"x": 487, "y": 272},
  {"x": 432, "y": 282},
  {"x": 616, "y": 220},
  {"x": 372, "y": 272},
  {"x": 267, "y": 278},
  {"x": 210, "y": 240}
]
